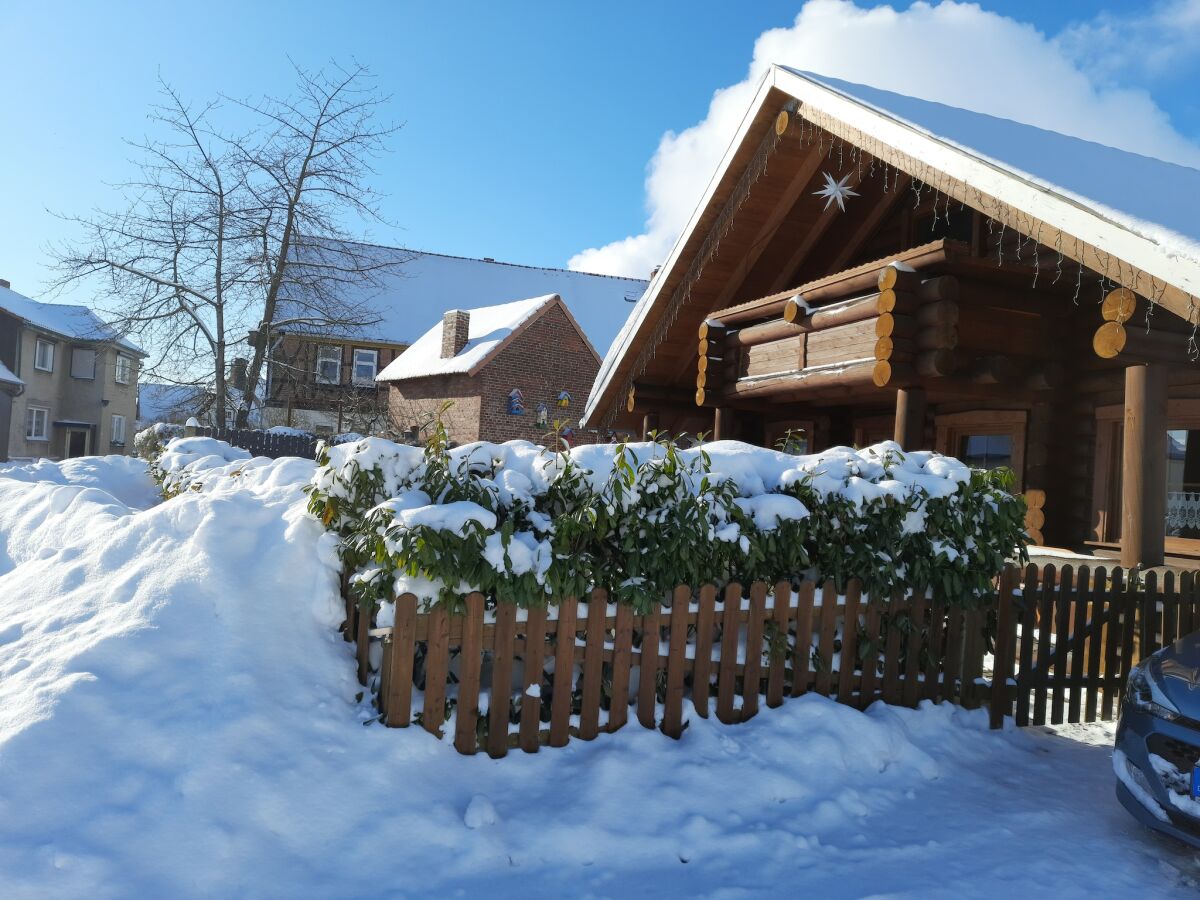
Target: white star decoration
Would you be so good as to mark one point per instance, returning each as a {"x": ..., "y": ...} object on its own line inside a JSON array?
[{"x": 836, "y": 190}]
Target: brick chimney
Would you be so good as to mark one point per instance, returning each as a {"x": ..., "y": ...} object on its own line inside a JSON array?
[
  {"x": 456, "y": 326},
  {"x": 237, "y": 373}
]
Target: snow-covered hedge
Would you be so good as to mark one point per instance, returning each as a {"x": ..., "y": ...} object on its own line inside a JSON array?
[
  {"x": 186, "y": 462},
  {"x": 149, "y": 443},
  {"x": 525, "y": 525}
]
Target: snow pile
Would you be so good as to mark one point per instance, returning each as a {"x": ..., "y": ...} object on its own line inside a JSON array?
[
  {"x": 150, "y": 442},
  {"x": 125, "y": 478},
  {"x": 520, "y": 522}
]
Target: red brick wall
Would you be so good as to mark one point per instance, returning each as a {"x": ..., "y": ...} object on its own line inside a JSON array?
[
  {"x": 550, "y": 356},
  {"x": 547, "y": 358}
]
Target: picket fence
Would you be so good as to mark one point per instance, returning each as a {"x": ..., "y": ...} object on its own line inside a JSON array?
[{"x": 1061, "y": 641}]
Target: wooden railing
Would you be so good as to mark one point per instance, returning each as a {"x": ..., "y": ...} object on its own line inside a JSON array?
[{"x": 504, "y": 678}]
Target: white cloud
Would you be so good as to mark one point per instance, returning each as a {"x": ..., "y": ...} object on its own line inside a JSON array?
[
  {"x": 1159, "y": 42},
  {"x": 953, "y": 53}
]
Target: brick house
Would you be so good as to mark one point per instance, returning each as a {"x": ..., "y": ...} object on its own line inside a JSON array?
[
  {"x": 511, "y": 371},
  {"x": 322, "y": 379},
  {"x": 71, "y": 381}
]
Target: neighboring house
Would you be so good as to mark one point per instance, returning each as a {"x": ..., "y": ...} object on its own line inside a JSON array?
[
  {"x": 80, "y": 379},
  {"x": 323, "y": 380},
  {"x": 10, "y": 386},
  {"x": 170, "y": 403},
  {"x": 511, "y": 370},
  {"x": 865, "y": 265}
]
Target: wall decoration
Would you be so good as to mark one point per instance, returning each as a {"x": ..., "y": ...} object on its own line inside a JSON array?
[
  {"x": 564, "y": 399},
  {"x": 543, "y": 415},
  {"x": 516, "y": 402}
]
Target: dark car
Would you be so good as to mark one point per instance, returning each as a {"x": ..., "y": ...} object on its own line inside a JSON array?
[{"x": 1157, "y": 755}]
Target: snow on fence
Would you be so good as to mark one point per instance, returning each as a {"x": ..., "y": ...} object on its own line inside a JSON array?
[
  {"x": 1062, "y": 644},
  {"x": 1066, "y": 639}
]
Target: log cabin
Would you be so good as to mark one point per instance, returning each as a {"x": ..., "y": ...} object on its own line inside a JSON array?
[{"x": 866, "y": 266}]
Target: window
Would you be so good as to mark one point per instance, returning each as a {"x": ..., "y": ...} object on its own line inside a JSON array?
[
  {"x": 43, "y": 356},
  {"x": 118, "y": 430},
  {"x": 366, "y": 364},
  {"x": 124, "y": 368},
  {"x": 37, "y": 423},
  {"x": 986, "y": 451},
  {"x": 329, "y": 364},
  {"x": 83, "y": 363},
  {"x": 986, "y": 439}
]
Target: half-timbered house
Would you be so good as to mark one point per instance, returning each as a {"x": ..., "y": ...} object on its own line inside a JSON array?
[{"x": 865, "y": 265}]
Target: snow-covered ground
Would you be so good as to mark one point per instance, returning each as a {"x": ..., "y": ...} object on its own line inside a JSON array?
[{"x": 179, "y": 717}]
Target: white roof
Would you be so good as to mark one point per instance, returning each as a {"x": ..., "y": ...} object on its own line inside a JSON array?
[
  {"x": 1147, "y": 196},
  {"x": 68, "y": 321},
  {"x": 1139, "y": 209},
  {"x": 413, "y": 297},
  {"x": 7, "y": 376},
  {"x": 158, "y": 402},
  {"x": 490, "y": 326}
]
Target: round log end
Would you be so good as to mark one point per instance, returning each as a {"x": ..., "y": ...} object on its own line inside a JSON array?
[
  {"x": 1118, "y": 305},
  {"x": 702, "y": 364},
  {"x": 882, "y": 373},
  {"x": 1035, "y": 498},
  {"x": 702, "y": 331},
  {"x": 781, "y": 122},
  {"x": 793, "y": 312},
  {"x": 630, "y": 400},
  {"x": 888, "y": 276},
  {"x": 885, "y": 325},
  {"x": 887, "y": 301},
  {"x": 1035, "y": 519},
  {"x": 699, "y": 396},
  {"x": 884, "y": 348},
  {"x": 1109, "y": 340}
]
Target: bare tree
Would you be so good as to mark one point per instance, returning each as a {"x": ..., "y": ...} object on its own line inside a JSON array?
[{"x": 228, "y": 235}]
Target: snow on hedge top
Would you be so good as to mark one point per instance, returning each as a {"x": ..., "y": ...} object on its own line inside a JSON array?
[
  {"x": 1148, "y": 196},
  {"x": 490, "y": 326}
]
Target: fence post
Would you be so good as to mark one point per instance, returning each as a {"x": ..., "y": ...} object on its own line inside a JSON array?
[{"x": 1002, "y": 667}]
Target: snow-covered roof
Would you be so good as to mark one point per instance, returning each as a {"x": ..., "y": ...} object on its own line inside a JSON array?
[
  {"x": 1144, "y": 195},
  {"x": 1135, "y": 210},
  {"x": 159, "y": 402},
  {"x": 491, "y": 327},
  {"x": 69, "y": 321},
  {"x": 8, "y": 379},
  {"x": 423, "y": 285}
]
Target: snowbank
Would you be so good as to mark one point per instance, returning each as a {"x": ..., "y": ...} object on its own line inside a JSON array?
[{"x": 126, "y": 478}]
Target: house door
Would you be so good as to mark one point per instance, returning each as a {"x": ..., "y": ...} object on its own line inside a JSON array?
[{"x": 77, "y": 442}]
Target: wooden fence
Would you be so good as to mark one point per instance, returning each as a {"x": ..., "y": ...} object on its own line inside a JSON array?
[
  {"x": 263, "y": 443},
  {"x": 1062, "y": 644},
  {"x": 1067, "y": 638}
]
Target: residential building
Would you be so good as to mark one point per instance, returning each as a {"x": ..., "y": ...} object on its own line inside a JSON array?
[
  {"x": 79, "y": 378},
  {"x": 511, "y": 371},
  {"x": 323, "y": 379},
  {"x": 865, "y": 265}
]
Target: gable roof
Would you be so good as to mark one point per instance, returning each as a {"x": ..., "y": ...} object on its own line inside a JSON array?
[
  {"x": 420, "y": 286},
  {"x": 74, "y": 322},
  {"x": 1127, "y": 216},
  {"x": 490, "y": 330}
]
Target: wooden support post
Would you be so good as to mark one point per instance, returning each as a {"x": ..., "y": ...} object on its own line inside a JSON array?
[
  {"x": 1143, "y": 471},
  {"x": 649, "y": 424},
  {"x": 910, "y": 418},
  {"x": 722, "y": 423}
]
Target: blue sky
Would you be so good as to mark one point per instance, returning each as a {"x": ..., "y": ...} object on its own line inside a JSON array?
[{"x": 528, "y": 127}]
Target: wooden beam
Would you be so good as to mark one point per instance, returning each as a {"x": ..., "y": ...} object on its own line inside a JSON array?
[
  {"x": 649, "y": 425},
  {"x": 1144, "y": 467},
  {"x": 722, "y": 423},
  {"x": 910, "y": 418}
]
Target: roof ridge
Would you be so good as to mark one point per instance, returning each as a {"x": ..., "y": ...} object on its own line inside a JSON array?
[{"x": 496, "y": 262}]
